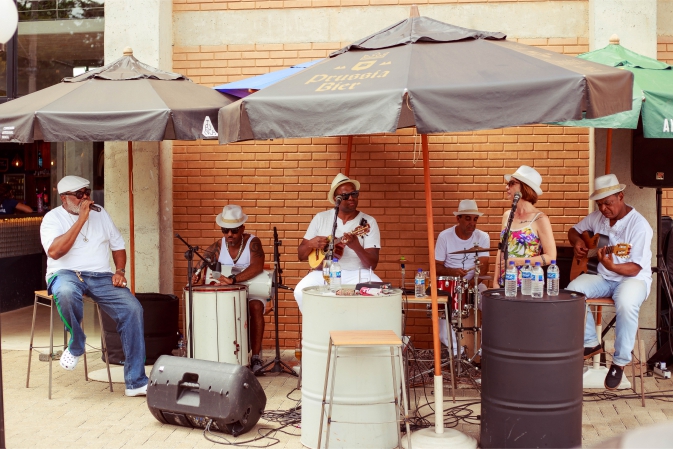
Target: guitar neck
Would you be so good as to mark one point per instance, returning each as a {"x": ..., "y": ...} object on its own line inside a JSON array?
[{"x": 594, "y": 252}]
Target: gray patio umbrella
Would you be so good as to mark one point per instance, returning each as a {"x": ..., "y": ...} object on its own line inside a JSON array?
[
  {"x": 439, "y": 78},
  {"x": 125, "y": 100}
]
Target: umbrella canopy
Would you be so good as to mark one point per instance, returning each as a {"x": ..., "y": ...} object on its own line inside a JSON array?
[
  {"x": 245, "y": 87},
  {"x": 652, "y": 93},
  {"x": 432, "y": 75},
  {"x": 124, "y": 100}
]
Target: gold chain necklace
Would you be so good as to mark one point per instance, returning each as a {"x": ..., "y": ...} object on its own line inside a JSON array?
[
  {"x": 80, "y": 231},
  {"x": 240, "y": 250}
]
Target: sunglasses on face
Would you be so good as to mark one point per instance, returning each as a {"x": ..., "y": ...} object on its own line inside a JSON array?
[
  {"x": 79, "y": 194},
  {"x": 234, "y": 231},
  {"x": 347, "y": 196},
  {"x": 512, "y": 183}
]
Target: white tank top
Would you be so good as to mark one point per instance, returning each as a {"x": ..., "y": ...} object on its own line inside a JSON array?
[{"x": 242, "y": 263}]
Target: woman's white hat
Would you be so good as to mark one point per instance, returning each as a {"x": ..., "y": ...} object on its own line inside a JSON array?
[
  {"x": 340, "y": 179},
  {"x": 605, "y": 186},
  {"x": 468, "y": 207},
  {"x": 232, "y": 216},
  {"x": 529, "y": 176},
  {"x": 71, "y": 184}
]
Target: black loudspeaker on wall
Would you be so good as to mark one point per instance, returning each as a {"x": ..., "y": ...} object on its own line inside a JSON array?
[
  {"x": 651, "y": 161},
  {"x": 190, "y": 393}
]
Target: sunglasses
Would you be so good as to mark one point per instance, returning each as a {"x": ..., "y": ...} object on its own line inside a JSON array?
[
  {"x": 79, "y": 194},
  {"x": 346, "y": 196},
  {"x": 234, "y": 231},
  {"x": 512, "y": 183}
]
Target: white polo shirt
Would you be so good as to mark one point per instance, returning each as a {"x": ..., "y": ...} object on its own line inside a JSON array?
[{"x": 92, "y": 255}]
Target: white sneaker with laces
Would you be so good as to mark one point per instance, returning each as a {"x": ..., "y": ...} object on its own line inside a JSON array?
[{"x": 133, "y": 392}]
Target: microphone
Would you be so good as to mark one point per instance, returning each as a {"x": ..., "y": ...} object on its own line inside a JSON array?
[
  {"x": 94, "y": 207},
  {"x": 517, "y": 197},
  {"x": 337, "y": 200}
]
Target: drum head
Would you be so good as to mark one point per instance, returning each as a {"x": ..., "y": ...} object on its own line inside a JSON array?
[{"x": 216, "y": 288}]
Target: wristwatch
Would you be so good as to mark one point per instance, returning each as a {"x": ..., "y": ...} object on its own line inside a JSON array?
[
  {"x": 233, "y": 278},
  {"x": 122, "y": 270}
]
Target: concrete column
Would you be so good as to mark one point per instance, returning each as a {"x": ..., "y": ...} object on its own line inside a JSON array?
[
  {"x": 147, "y": 27},
  {"x": 635, "y": 22}
]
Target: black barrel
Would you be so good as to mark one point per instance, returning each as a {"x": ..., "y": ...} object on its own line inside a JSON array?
[
  {"x": 160, "y": 317},
  {"x": 532, "y": 370}
]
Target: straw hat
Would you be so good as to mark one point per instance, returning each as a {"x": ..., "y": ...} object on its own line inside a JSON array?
[
  {"x": 340, "y": 179},
  {"x": 468, "y": 207},
  {"x": 605, "y": 186},
  {"x": 232, "y": 216},
  {"x": 71, "y": 184},
  {"x": 529, "y": 176}
]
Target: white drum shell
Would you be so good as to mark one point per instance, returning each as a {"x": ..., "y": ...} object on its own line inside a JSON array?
[
  {"x": 259, "y": 287},
  {"x": 220, "y": 331},
  {"x": 361, "y": 380}
]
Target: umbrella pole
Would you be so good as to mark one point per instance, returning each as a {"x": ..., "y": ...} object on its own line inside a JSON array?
[
  {"x": 348, "y": 155},
  {"x": 608, "y": 151},
  {"x": 132, "y": 237}
]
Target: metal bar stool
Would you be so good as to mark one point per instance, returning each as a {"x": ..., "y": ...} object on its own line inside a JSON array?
[
  {"x": 43, "y": 298},
  {"x": 598, "y": 304},
  {"x": 365, "y": 339}
]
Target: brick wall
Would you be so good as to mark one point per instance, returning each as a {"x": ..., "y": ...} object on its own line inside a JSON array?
[
  {"x": 283, "y": 183},
  {"x": 665, "y": 53}
]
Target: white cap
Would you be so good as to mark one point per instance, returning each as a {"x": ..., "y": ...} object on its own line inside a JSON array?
[
  {"x": 529, "y": 176},
  {"x": 232, "y": 216},
  {"x": 72, "y": 184}
]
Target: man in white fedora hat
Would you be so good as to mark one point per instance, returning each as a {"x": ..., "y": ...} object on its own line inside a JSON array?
[
  {"x": 464, "y": 235},
  {"x": 360, "y": 254},
  {"x": 627, "y": 279},
  {"x": 244, "y": 259},
  {"x": 78, "y": 243}
]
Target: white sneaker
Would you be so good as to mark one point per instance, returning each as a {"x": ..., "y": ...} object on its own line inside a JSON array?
[
  {"x": 68, "y": 361},
  {"x": 140, "y": 391}
]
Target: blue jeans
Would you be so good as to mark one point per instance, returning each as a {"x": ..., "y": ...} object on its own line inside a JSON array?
[
  {"x": 117, "y": 302},
  {"x": 628, "y": 296}
]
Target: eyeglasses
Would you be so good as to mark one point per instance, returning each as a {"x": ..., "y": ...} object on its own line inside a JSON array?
[
  {"x": 234, "y": 231},
  {"x": 346, "y": 196},
  {"x": 79, "y": 194},
  {"x": 512, "y": 182}
]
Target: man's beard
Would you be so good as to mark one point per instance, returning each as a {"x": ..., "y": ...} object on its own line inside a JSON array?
[{"x": 71, "y": 208}]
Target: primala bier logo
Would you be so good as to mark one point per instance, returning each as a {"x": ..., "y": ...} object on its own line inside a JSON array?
[
  {"x": 343, "y": 81},
  {"x": 668, "y": 125}
]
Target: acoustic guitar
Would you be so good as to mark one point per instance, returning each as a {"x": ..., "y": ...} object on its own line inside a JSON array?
[
  {"x": 589, "y": 263},
  {"x": 316, "y": 256}
]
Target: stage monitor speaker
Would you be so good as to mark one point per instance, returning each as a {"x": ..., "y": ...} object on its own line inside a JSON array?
[
  {"x": 651, "y": 161},
  {"x": 189, "y": 392}
]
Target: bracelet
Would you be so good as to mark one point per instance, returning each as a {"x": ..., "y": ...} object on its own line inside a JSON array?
[
  {"x": 123, "y": 271},
  {"x": 233, "y": 278},
  {"x": 544, "y": 262}
]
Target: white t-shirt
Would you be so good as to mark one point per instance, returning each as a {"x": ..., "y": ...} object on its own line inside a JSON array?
[
  {"x": 322, "y": 223},
  {"x": 92, "y": 255},
  {"x": 448, "y": 242},
  {"x": 633, "y": 229}
]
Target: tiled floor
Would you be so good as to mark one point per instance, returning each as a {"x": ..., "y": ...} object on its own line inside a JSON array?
[{"x": 85, "y": 414}]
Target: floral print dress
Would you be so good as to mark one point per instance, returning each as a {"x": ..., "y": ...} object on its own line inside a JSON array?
[{"x": 522, "y": 243}]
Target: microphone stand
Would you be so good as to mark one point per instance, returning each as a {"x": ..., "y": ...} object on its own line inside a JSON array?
[
  {"x": 330, "y": 249},
  {"x": 277, "y": 365},
  {"x": 189, "y": 255},
  {"x": 504, "y": 244}
]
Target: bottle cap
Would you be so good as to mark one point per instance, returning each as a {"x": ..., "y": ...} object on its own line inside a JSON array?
[
  {"x": 527, "y": 260},
  {"x": 336, "y": 259},
  {"x": 420, "y": 270},
  {"x": 537, "y": 264},
  {"x": 511, "y": 262},
  {"x": 553, "y": 261}
]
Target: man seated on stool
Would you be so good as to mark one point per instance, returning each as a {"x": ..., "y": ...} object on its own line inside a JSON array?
[
  {"x": 78, "y": 243},
  {"x": 464, "y": 235},
  {"x": 626, "y": 280},
  {"x": 245, "y": 256},
  {"x": 360, "y": 254}
]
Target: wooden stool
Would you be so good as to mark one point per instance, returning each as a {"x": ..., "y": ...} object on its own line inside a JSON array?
[
  {"x": 43, "y": 298},
  {"x": 598, "y": 304},
  {"x": 370, "y": 339}
]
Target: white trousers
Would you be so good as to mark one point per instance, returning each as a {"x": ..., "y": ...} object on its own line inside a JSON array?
[{"x": 348, "y": 277}]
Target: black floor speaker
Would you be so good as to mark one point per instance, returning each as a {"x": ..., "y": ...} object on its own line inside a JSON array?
[
  {"x": 192, "y": 393},
  {"x": 651, "y": 161}
]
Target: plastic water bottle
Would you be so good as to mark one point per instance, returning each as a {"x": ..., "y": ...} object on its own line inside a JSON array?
[
  {"x": 419, "y": 284},
  {"x": 537, "y": 284},
  {"x": 526, "y": 278},
  {"x": 553, "y": 278},
  {"x": 182, "y": 351},
  {"x": 510, "y": 279},
  {"x": 335, "y": 275}
]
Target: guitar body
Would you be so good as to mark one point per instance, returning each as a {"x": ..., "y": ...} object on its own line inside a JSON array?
[
  {"x": 588, "y": 264},
  {"x": 316, "y": 256}
]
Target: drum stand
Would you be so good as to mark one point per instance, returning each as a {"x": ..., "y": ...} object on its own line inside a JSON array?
[
  {"x": 457, "y": 324},
  {"x": 277, "y": 365}
]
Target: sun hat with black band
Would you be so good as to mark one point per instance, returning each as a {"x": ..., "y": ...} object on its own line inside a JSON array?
[
  {"x": 529, "y": 176},
  {"x": 605, "y": 186},
  {"x": 71, "y": 183},
  {"x": 468, "y": 207},
  {"x": 338, "y": 180},
  {"x": 232, "y": 216}
]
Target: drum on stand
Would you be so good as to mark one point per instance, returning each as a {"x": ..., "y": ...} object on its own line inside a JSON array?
[{"x": 220, "y": 331}]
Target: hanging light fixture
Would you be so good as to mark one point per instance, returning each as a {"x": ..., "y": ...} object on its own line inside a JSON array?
[{"x": 17, "y": 161}]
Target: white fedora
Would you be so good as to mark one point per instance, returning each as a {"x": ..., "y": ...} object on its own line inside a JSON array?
[
  {"x": 71, "y": 184},
  {"x": 340, "y": 179},
  {"x": 529, "y": 176},
  {"x": 605, "y": 186},
  {"x": 232, "y": 216},
  {"x": 468, "y": 207}
]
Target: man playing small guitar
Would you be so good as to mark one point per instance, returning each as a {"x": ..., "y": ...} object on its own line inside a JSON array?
[
  {"x": 627, "y": 280},
  {"x": 360, "y": 253}
]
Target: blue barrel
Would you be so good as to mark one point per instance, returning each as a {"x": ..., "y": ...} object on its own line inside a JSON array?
[{"x": 532, "y": 370}]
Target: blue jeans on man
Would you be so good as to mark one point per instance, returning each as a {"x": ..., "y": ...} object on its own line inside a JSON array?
[{"x": 117, "y": 302}]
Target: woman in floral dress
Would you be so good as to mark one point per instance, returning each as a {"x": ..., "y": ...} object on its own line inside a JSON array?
[{"x": 531, "y": 236}]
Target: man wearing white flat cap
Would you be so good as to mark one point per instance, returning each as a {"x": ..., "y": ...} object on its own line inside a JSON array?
[
  {"x": 464, "y": 235},
  {"x": 360, "y": 254},
  {"x": 78, "y": 244},
  {"x": 245, "y": 255},
  {"x": 627, "y": 280}
]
